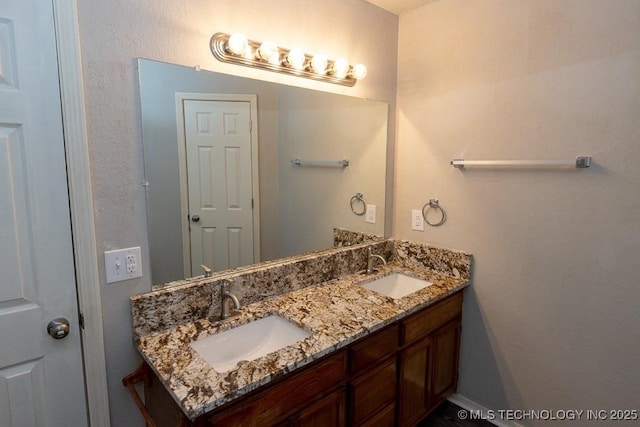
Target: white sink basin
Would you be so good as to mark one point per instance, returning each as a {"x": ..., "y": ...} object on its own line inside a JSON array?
[
  {"x": 396, "y": 285},
  {"x": 248, "y": 342}
]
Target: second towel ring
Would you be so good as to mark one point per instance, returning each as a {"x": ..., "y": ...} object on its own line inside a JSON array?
[
  {"x": 359, "y": 197},
  {"x": 434, "y": 204}
]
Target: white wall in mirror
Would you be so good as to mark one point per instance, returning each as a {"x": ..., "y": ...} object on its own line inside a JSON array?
[{"x": 313, "y": 200}]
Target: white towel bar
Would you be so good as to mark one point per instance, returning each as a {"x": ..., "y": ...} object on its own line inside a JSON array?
[
  {"x": 578, "y": 162},
  {"x": 321, "y": 163}
]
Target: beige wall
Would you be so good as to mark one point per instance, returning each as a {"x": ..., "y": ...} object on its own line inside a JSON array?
[
  {"x": 114, "y": 33},
  {"x": 552, "y": 318}
]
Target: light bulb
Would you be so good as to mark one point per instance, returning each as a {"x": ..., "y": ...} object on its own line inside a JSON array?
[
  {"x": 268, "y": 51},
  {"x": 296, "y": 58},
  {"x": 319, "y": 63},
  {"x": 359, "y": 72},
  {"x": 248, "y": 53},
  {"x": 237, "y": 44},
  {"x": 340, "y": 68}
]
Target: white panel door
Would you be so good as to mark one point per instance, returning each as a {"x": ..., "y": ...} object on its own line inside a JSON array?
[
  {"x": 41, "y": 378},
  {"x": 218, "y": 147}
]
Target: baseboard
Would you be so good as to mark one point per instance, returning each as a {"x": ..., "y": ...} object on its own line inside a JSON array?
[{"x": 478, "y": 409}]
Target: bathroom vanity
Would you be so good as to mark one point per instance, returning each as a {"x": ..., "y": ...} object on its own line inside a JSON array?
[{"x": 367, "y": 359}]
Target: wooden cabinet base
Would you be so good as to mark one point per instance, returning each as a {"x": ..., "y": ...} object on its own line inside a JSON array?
[
  {"x": 429, "y": 359},
  {"x": 395, "y": 376}
]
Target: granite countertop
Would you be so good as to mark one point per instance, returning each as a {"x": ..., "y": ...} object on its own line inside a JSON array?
[{"x": 337, "y": 313}]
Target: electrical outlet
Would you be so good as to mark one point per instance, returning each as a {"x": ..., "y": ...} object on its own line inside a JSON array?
[
  {"x": 417, "y": 221},
  {"x": 123, "y": 264},
  {"x": 131, "y": 267},
  {"x": 371, "y": 214}
]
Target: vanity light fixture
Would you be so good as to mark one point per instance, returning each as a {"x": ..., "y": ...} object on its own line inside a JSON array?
[{"x": 237, "y": 49}]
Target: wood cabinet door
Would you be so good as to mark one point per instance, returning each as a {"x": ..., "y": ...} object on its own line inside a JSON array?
[
  {"x": 428, "y": 373},
  {"x": 415, "y": 369},
  {"x": 446, "y": 347}
]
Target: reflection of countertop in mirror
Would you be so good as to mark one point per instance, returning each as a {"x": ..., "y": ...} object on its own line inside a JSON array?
[{"x": 337, "y": 312}]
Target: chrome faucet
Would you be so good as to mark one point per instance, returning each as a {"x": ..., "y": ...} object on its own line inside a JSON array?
[
  {"x": 226, "y": 298},
  {"x": 371, "y": 257},
  {"x": 207, "y": 271}
]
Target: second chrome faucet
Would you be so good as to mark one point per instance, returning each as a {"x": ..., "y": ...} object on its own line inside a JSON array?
[{"x": 226, "y": 299}]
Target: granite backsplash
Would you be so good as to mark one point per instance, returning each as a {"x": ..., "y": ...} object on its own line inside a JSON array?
[{"x": 189, "y": 300}]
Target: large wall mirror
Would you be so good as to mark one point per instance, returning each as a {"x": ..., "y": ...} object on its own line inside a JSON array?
[{"x": 221, "y": 186}]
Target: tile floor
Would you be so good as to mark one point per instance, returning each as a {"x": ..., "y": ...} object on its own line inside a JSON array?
[{"x": 447, "y": 416}]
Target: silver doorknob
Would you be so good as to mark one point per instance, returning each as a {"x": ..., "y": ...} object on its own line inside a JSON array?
[
  {"x": 58, "y": 328},
  {"x": 195, "y": 218}
]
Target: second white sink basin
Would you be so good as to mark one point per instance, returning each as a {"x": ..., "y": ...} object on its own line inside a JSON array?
[
  {"x": 396, "y": 285},
  {"x": 248, "y": 342}
]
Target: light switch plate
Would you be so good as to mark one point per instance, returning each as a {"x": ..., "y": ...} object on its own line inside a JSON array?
[
  {"x": 371, "y": 214},
  {"x": 123, "y": 264},
  {"x": 417, "y": 221}
]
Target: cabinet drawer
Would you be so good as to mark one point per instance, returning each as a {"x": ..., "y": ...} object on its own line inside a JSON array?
[
  {"x": 329, "y": 411},
  {"x": 370, "y": 350},
  {"x": 384, "y": 418},
  {"x": 427, "y": 321},
  {"x": 373, "y": 390},
  {"x": 273, "y": 404}
]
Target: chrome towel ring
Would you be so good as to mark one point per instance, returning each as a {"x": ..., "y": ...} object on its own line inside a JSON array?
[
  {"x": 434, "y": 204},
  {"x": 358, "y": 199}
]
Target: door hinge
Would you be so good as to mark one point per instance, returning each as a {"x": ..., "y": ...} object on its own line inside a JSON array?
[
  {"x": 81, "y": 320},
  {"x": 250, "y": 125}
]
